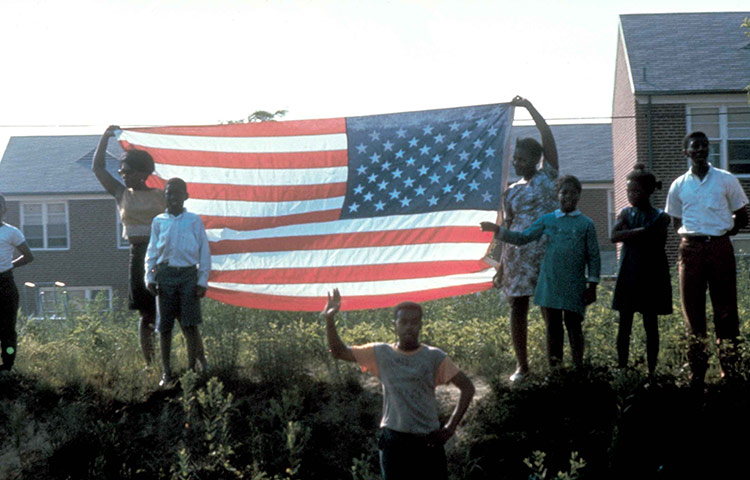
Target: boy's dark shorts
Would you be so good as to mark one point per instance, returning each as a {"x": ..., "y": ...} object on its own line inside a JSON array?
[
  {"x": 139, "y": 298},
  {"x": 177, "y": 297}
]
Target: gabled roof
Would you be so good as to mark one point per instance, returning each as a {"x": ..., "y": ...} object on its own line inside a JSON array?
[
  {"x": 584, "y": 150},
  {"x": 47, "y": 165},
  {"x": 680, "y": 53}
]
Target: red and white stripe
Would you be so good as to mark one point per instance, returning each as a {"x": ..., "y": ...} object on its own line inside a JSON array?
[{"x": 270, "y": 195}]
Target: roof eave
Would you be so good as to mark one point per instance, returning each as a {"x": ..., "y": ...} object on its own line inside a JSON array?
[
  {"x": 689, "y": 92},
  {"x": 37, "y": 194}
]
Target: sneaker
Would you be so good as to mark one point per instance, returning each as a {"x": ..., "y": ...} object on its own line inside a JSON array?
[
  {"x": 518, "y": 376},
  {"x": 166, "y": 381}
]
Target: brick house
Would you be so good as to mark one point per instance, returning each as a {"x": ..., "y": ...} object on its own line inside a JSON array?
[
  {"x": 70, "y": 222},
  {"x": 677, "y": 73}
]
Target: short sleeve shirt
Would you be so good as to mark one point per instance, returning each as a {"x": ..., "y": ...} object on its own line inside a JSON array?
[
  {"x": 10, "y": 238},
  {"x": 705, "y": 205},
  {"x": 408, "y": 380}
]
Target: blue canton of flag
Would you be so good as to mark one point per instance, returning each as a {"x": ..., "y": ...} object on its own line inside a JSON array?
[{"x": 420, "y": 162}]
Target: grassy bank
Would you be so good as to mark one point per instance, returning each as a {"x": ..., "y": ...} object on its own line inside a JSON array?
[{"x": 275, "y": 405}]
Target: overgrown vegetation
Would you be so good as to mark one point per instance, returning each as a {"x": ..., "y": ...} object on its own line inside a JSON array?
[{"x": 276, "y": 406}]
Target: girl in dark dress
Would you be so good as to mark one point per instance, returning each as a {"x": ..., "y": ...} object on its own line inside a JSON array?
[{"x": 643, "y": 283}]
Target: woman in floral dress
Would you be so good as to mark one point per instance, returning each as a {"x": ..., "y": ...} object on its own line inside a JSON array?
[{"x": 523, "y": 202}]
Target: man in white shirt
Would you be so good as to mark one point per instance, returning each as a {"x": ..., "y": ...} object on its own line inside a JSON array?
[
  {"x": 178, "y": 262},
  {"x": 707, "y": 206}
]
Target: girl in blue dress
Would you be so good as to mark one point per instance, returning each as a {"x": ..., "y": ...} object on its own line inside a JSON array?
[
  {"x": 643, "y": 283},
  {"x": 570, "y": 268}
]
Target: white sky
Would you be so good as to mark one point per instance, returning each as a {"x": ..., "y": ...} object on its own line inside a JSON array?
[{"x": 101, "y": 62}]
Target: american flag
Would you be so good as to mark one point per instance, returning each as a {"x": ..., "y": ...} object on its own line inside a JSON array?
[{"x": 386, "y": 207}]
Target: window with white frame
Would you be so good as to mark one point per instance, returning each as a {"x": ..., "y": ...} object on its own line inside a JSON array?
[
  {"x": 611, "y": 213},
  {"x": 728, "y": 129},
  {"x": 45, "y": 224}
]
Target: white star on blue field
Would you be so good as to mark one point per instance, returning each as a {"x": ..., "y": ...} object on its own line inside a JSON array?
[{"x": 419, "y": 162}]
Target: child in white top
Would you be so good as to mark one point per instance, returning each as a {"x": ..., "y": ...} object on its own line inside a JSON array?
[{"x": 11, "y": 239}]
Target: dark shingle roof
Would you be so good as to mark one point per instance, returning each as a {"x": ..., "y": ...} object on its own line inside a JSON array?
[
  {"x": 53, "y": 165},
  {"x": 584, "y": 150},
  {"x": 675, "y": 53}
]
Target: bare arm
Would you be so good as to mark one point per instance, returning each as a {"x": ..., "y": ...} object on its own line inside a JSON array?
[
  {"x": 618, "y": 230},
  {"x": 338, "y": 348},
  {"x": 740, "y": 220},
  {"x": 467, "y": 390},
  {"x": 26, "y": 256},
  {"x": 548, "y": 140},
  {"x": 620, "y": 233},
  {"x": 676, "y": 224},
  {"x": 98, "y": 165}
]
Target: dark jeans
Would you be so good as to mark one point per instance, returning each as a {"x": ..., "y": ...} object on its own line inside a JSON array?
[
  {"x": 709, "y": 265},
  {"x": 8, "y": 313},
  {"x": 407, "y": 456}
]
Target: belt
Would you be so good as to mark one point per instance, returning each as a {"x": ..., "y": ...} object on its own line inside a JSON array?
[
  {"x": 166, "y": 265},
  {"x": 702, "y": 238}
]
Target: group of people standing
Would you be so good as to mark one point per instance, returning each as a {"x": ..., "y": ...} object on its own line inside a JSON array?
[
  {"x": 169, "y": 259},
  {"x": 551, "y": 252},
  {"x": 554, "y": 254}
]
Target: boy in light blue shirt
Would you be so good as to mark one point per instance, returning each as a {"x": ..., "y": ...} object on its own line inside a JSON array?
[{"x": 178, "y": 262}]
